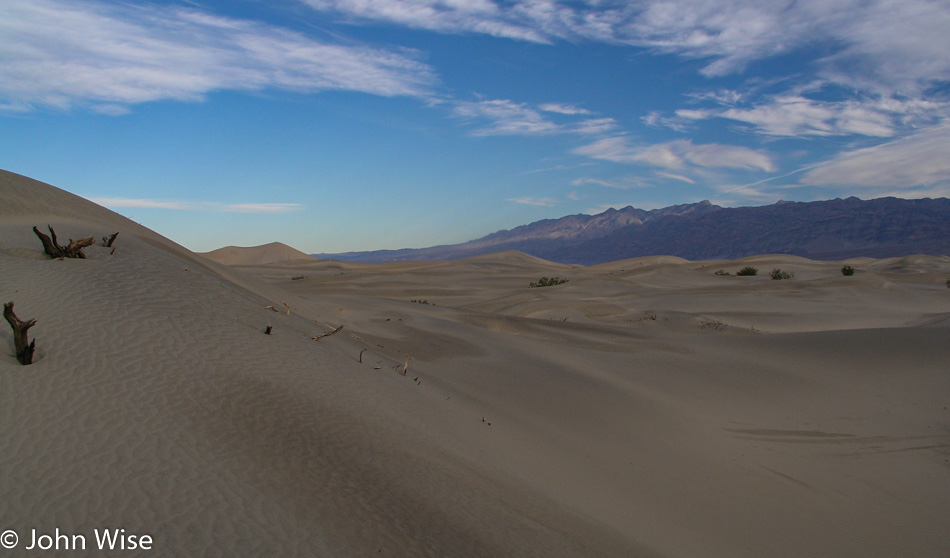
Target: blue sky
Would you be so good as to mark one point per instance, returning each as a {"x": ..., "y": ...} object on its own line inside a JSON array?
[{"x": 337, "y": 125}]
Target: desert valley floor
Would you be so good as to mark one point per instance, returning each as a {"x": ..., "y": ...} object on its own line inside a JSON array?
[{"x": 647, "y": 407}]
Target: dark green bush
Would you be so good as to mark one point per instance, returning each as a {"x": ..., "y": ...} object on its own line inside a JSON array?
[
  {"x": 847, "y": 271},
  {"x": 747, "y": 271},
  {"x": 723, "y": 272},
  {"x": 548, "y": 282},
  {"x": 777, "y": 274}
]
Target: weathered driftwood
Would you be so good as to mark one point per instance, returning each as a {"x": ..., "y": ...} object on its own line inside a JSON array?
[
  {"x": 108, "y": 240},
  {"x": 54, "y": 250},
  {"x": 319, "y": 337},
  {"x": 287, "y": 306},
  {"x": 24, "y": 349}
]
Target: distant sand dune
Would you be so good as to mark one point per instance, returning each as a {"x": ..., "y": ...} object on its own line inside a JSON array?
[
  {"x": 256, "y": 255},
  {"x": 644, "y": 408}
]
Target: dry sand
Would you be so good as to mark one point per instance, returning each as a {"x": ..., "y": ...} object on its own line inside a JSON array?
[{"x": 645, "y": 408}]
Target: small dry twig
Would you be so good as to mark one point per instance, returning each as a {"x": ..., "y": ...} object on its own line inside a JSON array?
[{"x": 319, "y": 337}]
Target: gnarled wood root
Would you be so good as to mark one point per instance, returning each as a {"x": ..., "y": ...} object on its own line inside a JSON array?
[
  {"x": 24, "y": 350},
  {"x": 54, "y": 250}
]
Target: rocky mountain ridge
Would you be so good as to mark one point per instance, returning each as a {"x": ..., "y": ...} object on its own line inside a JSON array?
[{"x": 832, "y": 229}]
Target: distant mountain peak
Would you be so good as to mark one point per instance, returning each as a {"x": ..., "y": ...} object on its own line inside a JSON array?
[{"x": 833, "y": 229}]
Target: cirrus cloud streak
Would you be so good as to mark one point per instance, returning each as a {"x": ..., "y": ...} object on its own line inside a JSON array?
[
  {"x": 918, "y": 160},
  {"x": 110, "y": 56},
  {"x": 884, "y": 45},
  {"x": 177, "y": 205},
  {"x": 677, "y": 154}
]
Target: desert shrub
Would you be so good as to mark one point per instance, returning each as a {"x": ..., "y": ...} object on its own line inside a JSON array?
[
  {"x": 718, "y": 325},
  {"x": 748, "y": 271},
  {"x": 723, "y": 272},
  {"x": 419, "y": 301},
  {"x": 777, "y": 274},
  {"x": 847, "y": 271},
  {"x": 548, "y": 282}
]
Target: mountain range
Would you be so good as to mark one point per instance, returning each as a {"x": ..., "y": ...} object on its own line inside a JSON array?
[{"x": 830, "y": 230}]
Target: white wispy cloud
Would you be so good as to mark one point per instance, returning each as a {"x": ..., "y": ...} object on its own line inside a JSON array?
[
  {"x": 690, "y": 114},
  {"x": 678, "y": 177},
  {"x": 616, "y": 149},
  {"x": 724, "y": 156},
  {"x": 561, "y": 108},
  {"x": 920, "y": 159},
  {"x": 891, "y": 46},
  {"x": 799, "y": 116},
  {"x": 627, "y": 183},
  {"x": 884, "y": 45},
  {"x": 178, "y": 205},
  {"x": 594, "y": 126},
  {"x": 655, "y": 119},
  {"x": 724, "y": 97},
  {"x": 111, "y": 55},
  {"x": 444, "y": 16},
  {"x": 504, "y": 117},
  {"x": 558, "y": 168},
  {"x": 538, "y": 202},
  {"x": 138, "y": 203},
  {"x": 677, "y": 154},
  {"x": 734, "y": 195},
  {"x": 594, "y": 182}
]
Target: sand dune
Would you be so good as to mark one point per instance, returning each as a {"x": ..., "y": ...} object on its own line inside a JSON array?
[
  {"x": 256, "y": 255},
  {"x": 644, "y": 408}
]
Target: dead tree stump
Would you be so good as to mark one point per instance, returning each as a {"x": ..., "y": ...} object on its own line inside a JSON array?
[
  {"x": 108, "y": 240},
  {"x": 24, "y": 350},
  {"x": 54, "y": 250}
]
